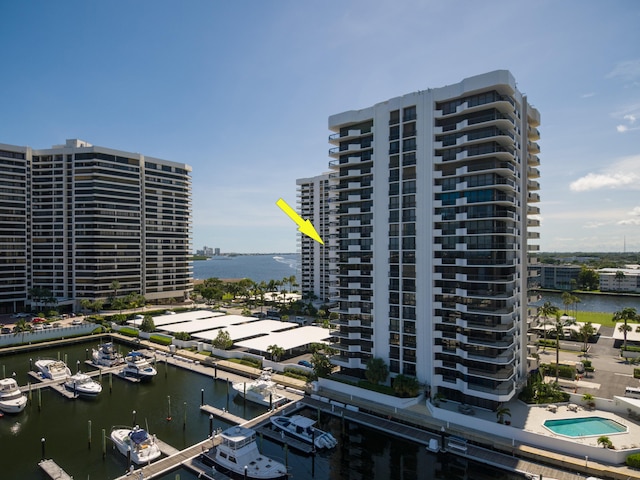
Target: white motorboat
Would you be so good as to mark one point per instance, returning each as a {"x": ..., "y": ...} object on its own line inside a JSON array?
[
  {"x": 12, "y": 400},
  {"x": 53, "y": 369},
  {"x": 262, "y": 391},
  {"x": 302, "y": 427},
  {"x": 238, "y": 456},
  {"x": 137, "y": 366},
  {"x": 143, "y": 447},
  {"x": 83, "y": 385},
  {"x": 106, "y": 356}
]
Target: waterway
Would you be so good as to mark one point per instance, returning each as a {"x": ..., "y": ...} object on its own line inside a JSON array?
[
  {"x": 64, "y": 424},
  {"x": 256, "y": 267},
  {"x": 594, "y": 302}
]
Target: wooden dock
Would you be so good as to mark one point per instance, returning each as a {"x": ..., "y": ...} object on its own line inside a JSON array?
[
  {"x": 223, "y": 414},
  {"x": 52, "y": 469}
]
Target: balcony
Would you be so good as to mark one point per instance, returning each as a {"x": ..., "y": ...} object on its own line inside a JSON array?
[
  {"x": 533, "y": 133},
  {"x": 533, "y": 147},
  {"x": 335, "y": 138}
]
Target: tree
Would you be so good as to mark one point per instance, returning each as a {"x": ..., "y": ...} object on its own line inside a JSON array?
[
  {"x": 147, "y": 324},
  {"x": 118, "y": 304},
  {"x": 545, "y": 311},
  {"x": 605, "y": 442},
  {"x": 501, "y": 413},
  {"x": 115, "y": 286},
  {"x": 321, "y": 365},
  {"x": 586, "y": 332},
  {"x": 85, "y": 304},
  {"x": 567, "y": 299},
  {"x": 377, "y": 370},
  {"x": 588, "y": 279},
  {"x": 561, "y": 323},
  {"x": 22, "y": 326},
  {"x": 406, "y": 386},
  {"x": 222, "y": 341},
  {"x": 619, "y": 278},
  {"x": 626, "y": 314},
  {"x": 276, "y": 352}
]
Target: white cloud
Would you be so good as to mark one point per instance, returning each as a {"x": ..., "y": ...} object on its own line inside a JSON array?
[
  {"x": 630, "y": 221},
  {"x": 635, "y": 211},
  {"x": 622, "y": 128},
  {"x": 630, "y": 117},
  {"x": 626, "y": 71},
  {"x": 623, "y": 174},
  {"x": 587, "y": 95},
  {"x": 594, "y": 224}
]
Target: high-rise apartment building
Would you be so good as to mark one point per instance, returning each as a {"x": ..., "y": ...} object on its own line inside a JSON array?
[
  {"x": 315, "y": 261},
  {"x": 79, "y": 217},
  {"x": 433, "y": 194}
]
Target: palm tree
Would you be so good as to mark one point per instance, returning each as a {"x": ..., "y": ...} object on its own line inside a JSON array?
[
  {"x": 586, "y": 331},
  {"x": 22, "y": 326},
  {"x": 626, "y": 314},
  {"x": 561, "y": 323},
  {"x": 275, "y": 351},
  {"x": 501, "y": 413},
  {"x": 545, "y": 311},
  {"x": 115, "y": 286},
  {"x": 566, "y": 300},
  {"x": 619, "y": 278},
  {"x": 605, "y": 442}
]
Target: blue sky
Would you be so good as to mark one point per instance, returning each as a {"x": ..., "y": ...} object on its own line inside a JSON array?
[{"x": 242, "y": 90}]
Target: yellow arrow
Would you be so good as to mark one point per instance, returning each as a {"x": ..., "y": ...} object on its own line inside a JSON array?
[{"x": 304, "y": 226}]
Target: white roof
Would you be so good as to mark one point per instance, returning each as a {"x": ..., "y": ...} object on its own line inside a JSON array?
[
  {"x": 288, "y": 339},
  {"x": 239, "y": 331},
  {"x": 207, "y": 324},
  {"x": 633, "y": 335},
  {"x": 179, "y": 317}
]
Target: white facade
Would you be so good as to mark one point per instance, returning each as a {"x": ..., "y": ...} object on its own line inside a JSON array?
[
  {"x": 95, "y": 215},
  {"x": 313, "y": 204},
  {"x": 433, "y": 194},
  {"x": 620, "y": 279}
]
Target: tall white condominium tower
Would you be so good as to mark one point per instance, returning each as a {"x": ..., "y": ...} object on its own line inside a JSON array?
[
  {"x": 77, "y": 217},
  {"x": 433, "y": 191},
  {"x": 313, "y": 204}
]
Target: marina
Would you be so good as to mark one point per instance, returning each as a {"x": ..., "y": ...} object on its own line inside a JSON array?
[{"x": 171, "y": 408}]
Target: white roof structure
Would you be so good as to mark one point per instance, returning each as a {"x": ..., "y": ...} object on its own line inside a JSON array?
[
  {"x": 633, "y": 335},
  {"x": 203, "y": 324},
  {"x": 246, "y": 330},
  {"x": 288, "y": 339},
  {"x": 179, "y": 317}
]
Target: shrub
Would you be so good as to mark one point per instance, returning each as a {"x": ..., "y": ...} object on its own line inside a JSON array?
[
  {"x": 160, "y": 339},
  {"x": 630, "y": 348},
  {"x": 633, "y": 460},
  {"x": 564, "y": 371},
  {"x": 129, "y": 332},
  {"x": 548, "y": 343},
  {"x": 636, "y": 373},
  {"x": 297, "y": 374},
  {"x": 185, "y": 336}
]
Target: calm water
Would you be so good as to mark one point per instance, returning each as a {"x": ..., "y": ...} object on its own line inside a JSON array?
[
  {"x": 362, "y": 453},
  {"x": 256, "y": 267},
  {"x": 594, "y": 303}
]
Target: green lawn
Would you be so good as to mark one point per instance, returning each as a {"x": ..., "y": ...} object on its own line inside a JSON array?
[{"x": 604, "y": 319}]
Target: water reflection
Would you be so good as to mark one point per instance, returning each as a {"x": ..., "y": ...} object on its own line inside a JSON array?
[{"x": 77, "y": 445}]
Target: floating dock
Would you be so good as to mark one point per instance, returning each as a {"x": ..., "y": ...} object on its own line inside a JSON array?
[
  {"x": 223, "y": 414},
  {"x": 52, "y": 469}
]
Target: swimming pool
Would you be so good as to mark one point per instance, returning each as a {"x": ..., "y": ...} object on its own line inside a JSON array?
[{"x": 584, "y": 426}]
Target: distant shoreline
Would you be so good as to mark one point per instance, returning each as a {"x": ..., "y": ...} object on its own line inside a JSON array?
[{"x": 233, "y": 254}]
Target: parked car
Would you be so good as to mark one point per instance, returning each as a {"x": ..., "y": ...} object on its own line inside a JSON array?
[
  {"x": 304, "y": 363},
  {"x": 47, "y": 326},
  {"x": 38, "y": 320},
  {"x": 6, "y": 330},
  {"x": 76, "y": 321},
  {"x": 37, "y": 327}
]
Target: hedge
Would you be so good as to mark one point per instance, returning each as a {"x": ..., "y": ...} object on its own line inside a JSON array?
[
  {"x": 636, "y": 373},
  {"x": 630, "y": 348},
  {"x": 564, "y": 371},
  {"x": 633, "y": 460},
  {"x": 160, "y": 339},
  {"x": 129, "y": 332}
]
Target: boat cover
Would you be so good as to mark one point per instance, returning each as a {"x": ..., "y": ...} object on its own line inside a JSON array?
[{"x": 138, "y": 436}]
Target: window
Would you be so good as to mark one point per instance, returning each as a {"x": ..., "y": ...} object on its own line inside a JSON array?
[
  {"x": 394, "y": 132},
  {"x": 409, "y": 145},
  {"x": 394, "y": 117},
  {"x": 409, "y": 113},
  {"x": 409, "y": 186},
  {"x": 394, "y": 161},
  {"x": 394, "y": 147},
  {"x": 409, "y": 130},
  {"x": 394, "y": 188},
  {"x": 409, "y": 159}
]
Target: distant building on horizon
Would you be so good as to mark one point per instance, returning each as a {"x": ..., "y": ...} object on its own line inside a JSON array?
[
  {"x": 76, "y": 217},
  {"x": 432, "y": 201}
]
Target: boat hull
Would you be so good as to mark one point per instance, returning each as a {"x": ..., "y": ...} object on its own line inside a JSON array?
[
  {"x": 139, "y": 454},
  {"x": 210, "y": 461},
  {"x": 13, "y": 406}
]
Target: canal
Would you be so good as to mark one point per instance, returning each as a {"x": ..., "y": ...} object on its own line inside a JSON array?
[
  {"x": 594, "y": 302},
  {"x": 72, "y": 429}
]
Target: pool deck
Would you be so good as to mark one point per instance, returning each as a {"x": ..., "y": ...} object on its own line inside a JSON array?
[{"x": 532, "y": 418}]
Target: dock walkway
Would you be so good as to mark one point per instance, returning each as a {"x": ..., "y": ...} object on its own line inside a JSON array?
[
  {"x": 222, "y": 414},
  {"x": 52, "y": 469}
]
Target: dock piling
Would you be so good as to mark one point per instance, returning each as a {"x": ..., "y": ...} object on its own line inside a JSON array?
[
  {"x": 104, "y": 444},
  {"x": 42, "y": 442},
  {"x": 89, "y": 433}
]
